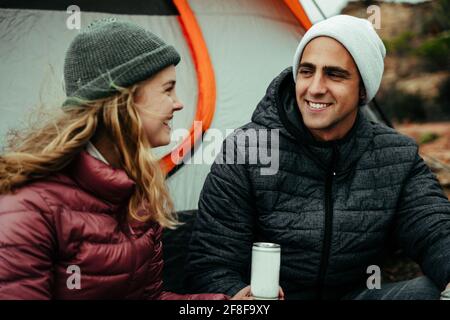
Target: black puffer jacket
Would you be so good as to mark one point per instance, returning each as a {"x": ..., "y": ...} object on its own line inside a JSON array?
[{"x": 335, "y": 207}]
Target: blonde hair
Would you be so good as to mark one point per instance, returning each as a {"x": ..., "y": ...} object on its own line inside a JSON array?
[{"x": 48, "y": 149}]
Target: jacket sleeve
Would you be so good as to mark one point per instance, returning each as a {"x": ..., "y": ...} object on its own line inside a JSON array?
[
  {"x": 220, "y": 248},
  {"x": 154, "y": 290},
  {"x": 26, "y": 247},
  {"x": 423, "y": 228}
]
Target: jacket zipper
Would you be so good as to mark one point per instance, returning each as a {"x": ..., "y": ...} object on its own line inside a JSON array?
[{"x": 328, "y": 221}]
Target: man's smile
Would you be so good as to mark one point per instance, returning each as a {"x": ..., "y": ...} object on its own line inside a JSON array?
[{"x": 317, "y": 106}]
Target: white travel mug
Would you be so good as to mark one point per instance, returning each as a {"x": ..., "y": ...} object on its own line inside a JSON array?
[{"x": 265, "y": 274}]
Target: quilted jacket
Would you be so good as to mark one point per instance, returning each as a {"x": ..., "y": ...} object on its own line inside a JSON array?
[
  {"x": 335, "y": 208},
  {"x": 64, "y": 237}
]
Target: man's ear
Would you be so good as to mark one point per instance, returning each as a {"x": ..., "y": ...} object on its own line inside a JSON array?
[{"x": 362, "y": 94}]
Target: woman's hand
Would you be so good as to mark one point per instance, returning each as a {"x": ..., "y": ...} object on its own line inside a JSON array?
[
  {"x": 246, "y": 294},
  {"x": 243, "y": 294},
  {"x": 280, "y": 294}
]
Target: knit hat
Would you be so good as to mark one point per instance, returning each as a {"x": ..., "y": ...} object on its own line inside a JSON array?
[
  {"x": 360, "y": 39},
  {"x": 111, "y": 54}
]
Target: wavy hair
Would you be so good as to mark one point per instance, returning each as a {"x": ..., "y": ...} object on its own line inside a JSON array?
[{"x": 47, "y": 149}]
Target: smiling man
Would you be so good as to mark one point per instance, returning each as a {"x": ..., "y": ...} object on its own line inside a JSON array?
[
  {"x": 348, "y": 190},
  {"x": 328, "y": 89}
]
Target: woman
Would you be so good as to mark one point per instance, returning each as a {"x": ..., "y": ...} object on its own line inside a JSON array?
[{"x": 82, "y": 201}]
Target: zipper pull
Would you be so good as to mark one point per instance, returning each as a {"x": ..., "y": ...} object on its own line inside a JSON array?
[{"x": 334, "y": 159}]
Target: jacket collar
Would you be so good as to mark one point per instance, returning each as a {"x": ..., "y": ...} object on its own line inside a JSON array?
[{"x": 100, "y": 179}]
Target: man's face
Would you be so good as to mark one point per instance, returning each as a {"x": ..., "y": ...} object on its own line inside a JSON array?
[{"x": 327, "y": 89}]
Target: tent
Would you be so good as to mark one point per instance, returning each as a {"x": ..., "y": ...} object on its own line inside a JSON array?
[{"x": 230, "y": 50}]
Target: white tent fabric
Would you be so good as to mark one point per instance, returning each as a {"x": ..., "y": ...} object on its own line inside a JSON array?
[
  {"x": 33, "y": 44},
  {"x": 249, "y": 43}
]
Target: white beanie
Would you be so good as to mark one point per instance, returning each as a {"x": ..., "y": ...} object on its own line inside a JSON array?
[{"x": 360, "y": 39}]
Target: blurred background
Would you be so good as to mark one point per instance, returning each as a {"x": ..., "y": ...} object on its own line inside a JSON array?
[{"x": 415, "y": 90}]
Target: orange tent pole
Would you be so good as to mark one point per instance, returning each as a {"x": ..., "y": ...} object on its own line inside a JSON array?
[
  {"x": 206, "y": 85},
  {"x": 298, "y": 11}
]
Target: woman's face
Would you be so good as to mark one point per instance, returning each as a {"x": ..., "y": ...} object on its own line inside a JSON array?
[{"x": 156, "y": 102}]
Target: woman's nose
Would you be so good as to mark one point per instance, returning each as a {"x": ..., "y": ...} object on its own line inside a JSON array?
[{"x": 178, "y": 105}]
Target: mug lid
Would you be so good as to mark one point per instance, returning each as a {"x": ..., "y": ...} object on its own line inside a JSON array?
[{"x": 266, "y": 245}]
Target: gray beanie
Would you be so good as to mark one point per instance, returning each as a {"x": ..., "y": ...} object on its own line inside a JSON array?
[
  {"x": 110, "y": 53},
  {"x": 360, "y": 39}
]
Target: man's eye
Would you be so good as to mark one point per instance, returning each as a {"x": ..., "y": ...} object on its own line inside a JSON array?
[
  {"x": 305, "y": 71},
  {"x": 335, "y": 75}
]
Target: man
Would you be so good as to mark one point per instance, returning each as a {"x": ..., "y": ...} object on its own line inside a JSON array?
[{"x": 346, "y": 191}]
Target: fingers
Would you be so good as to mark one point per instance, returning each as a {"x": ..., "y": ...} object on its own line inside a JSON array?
[
  {"x": 245, "y": 298},
  {"x": 246, "y": 294},
  {"x": 246, "y": 291},
  {"x": 281, "y": 294},
  {"x": 243, "y": 294}
]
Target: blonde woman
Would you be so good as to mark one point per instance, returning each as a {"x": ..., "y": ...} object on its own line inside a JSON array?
[{"x": 82, "y": 195}]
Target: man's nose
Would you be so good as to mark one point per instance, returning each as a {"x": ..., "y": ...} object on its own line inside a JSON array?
[{"x": 317, "y": 86}]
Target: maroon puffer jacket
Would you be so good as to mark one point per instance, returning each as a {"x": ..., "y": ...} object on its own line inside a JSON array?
[{"x": 52, "y": 227}]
